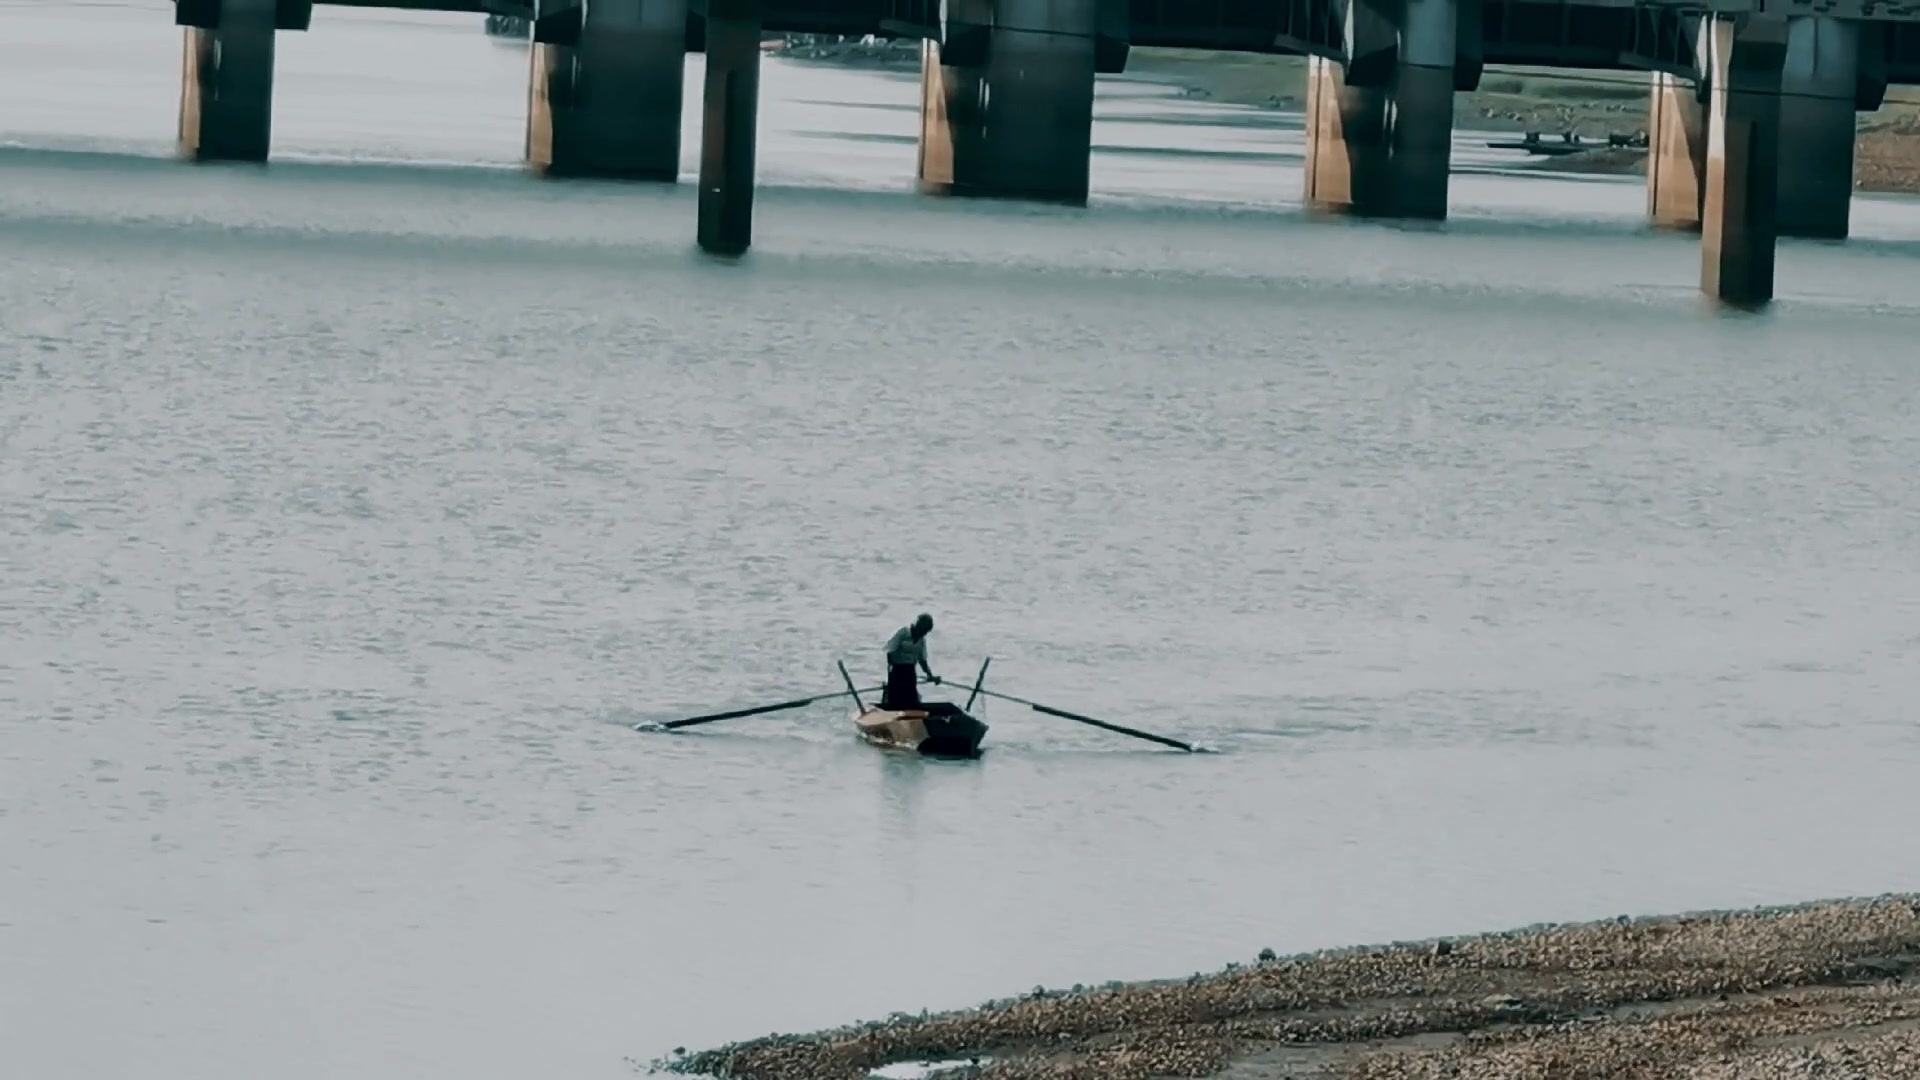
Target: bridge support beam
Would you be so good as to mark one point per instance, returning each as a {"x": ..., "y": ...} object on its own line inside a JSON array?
[
  {"x": 1819, "y": 95},
  {"x": 607, "y": 103},
  {"x": 1380, "y": 130},
  {"x": 729, "y": 128},
  {"x": 226, "y": 84},
  {"x": 1739, "y": 225},
  {"x": 1818, "y": 90},
  {"x": 1676, "y": 153},
  {"x": 1013, "y": 119}
]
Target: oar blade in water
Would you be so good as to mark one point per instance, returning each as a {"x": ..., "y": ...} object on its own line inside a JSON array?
[
  {"x": 735, "y": 714},
  {"x": 1135, "y": 732},
  {"x": 1084, "y": 719}
]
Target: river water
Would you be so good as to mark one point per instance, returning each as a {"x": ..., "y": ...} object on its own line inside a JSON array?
[{"x": 356, "y": 508}]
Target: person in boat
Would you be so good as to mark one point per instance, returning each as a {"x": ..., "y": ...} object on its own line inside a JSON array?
[{"x": 906, "y": 649}]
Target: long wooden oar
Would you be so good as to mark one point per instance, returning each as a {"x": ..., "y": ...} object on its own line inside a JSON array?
[
  {"x": 977, "y": 684},
  {"x": 1051, "y": 711},
  {"x": 736, "y": 713},
  {"x": 848, "y": 679}
]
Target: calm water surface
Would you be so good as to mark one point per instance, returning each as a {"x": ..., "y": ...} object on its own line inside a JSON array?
[{"x": 352, "y": 511}]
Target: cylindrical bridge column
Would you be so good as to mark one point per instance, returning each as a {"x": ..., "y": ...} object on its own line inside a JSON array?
[
  {"x": 1423, "y": 108},
  {"x": 226, "y": 85},
  {"x": 730, "y": 114},
  {"x": 609, "y": 105},
  {"x": 1817, "y": 127},
  {"x": 1676, "y": 153},
  {"x": 1019, "y": 125},
  {"x": 1379, "y": 138},
  {"x": 1739, "y": 212}
]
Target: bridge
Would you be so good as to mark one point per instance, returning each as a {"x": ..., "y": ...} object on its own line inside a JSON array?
[{"x": 1751, "y": 102}]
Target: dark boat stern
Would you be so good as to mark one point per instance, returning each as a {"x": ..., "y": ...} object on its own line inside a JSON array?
[{"x": 951, "y": 732}]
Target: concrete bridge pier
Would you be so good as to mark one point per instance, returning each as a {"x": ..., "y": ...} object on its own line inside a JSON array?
[
  {"x": 1739, "y": 225},
  {"x": 226, "y": 82},
  {"x": 728, "y": 132},
  {"x": 1676, "y": 153},
  {"x": 1380, "y": 128},
  {"x": 1008, "y": 111},
  {"x": 604, "y": 101},
  {"x": 1819, "y": 87}
]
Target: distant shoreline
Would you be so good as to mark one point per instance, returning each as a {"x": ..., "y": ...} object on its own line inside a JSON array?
[
  {"x": 1748, "y": 995},
  {"x": 1596, "y": 105},
  {"x": 891, "y": 54}
]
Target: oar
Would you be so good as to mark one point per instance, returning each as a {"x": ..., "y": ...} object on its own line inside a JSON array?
[
  {"x": 848, "y": 679},
  {"x": 977, "y": 683},
  {"x": 794, "y": 704},
  {"x": 1051, "y": 711}
]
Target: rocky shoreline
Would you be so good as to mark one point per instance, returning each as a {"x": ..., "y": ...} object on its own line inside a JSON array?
[
  {"x": 890, "y": 53},
  {"x": 1821, "y": 989}
]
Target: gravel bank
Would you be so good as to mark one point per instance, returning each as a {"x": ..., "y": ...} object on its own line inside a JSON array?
[
  {"x": 1812, "y": 990},
  {"x": 886, "y": 54}
]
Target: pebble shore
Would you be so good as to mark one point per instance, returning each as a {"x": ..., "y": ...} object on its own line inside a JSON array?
[
  {"x": 1823, "y": 989},
  {"x": 893, "y": 53}
]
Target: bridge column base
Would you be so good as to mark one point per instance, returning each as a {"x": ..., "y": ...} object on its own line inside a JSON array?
[
  {"x": 729, "y": 129},
  {"x": 1739, "y": 226},
  {"x": 226, "y": 85},
  {"x": 1676, "y": 154},
  {"x": 1817, "y": 127},
  {"x": 609, "y": 106},
  {"x": 1379, "y": 151},
  {"x": 1021, "y": 127}
]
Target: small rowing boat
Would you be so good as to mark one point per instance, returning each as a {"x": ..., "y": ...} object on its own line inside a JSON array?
[
  {"x": 931, "y": 728},
  {"x": 935, "y": 729}
]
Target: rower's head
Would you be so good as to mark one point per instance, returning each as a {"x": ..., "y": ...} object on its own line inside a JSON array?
[{"x": 923, "y": 625}]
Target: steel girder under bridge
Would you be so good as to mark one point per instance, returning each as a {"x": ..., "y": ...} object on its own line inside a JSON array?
[{"x": 1651, "y": 35}]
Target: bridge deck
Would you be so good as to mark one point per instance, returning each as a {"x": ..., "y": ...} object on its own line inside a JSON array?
[{"x": 1593, "y": 34}]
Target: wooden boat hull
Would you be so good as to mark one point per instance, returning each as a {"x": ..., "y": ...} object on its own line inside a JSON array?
[{"x": 936, "y": 729}]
